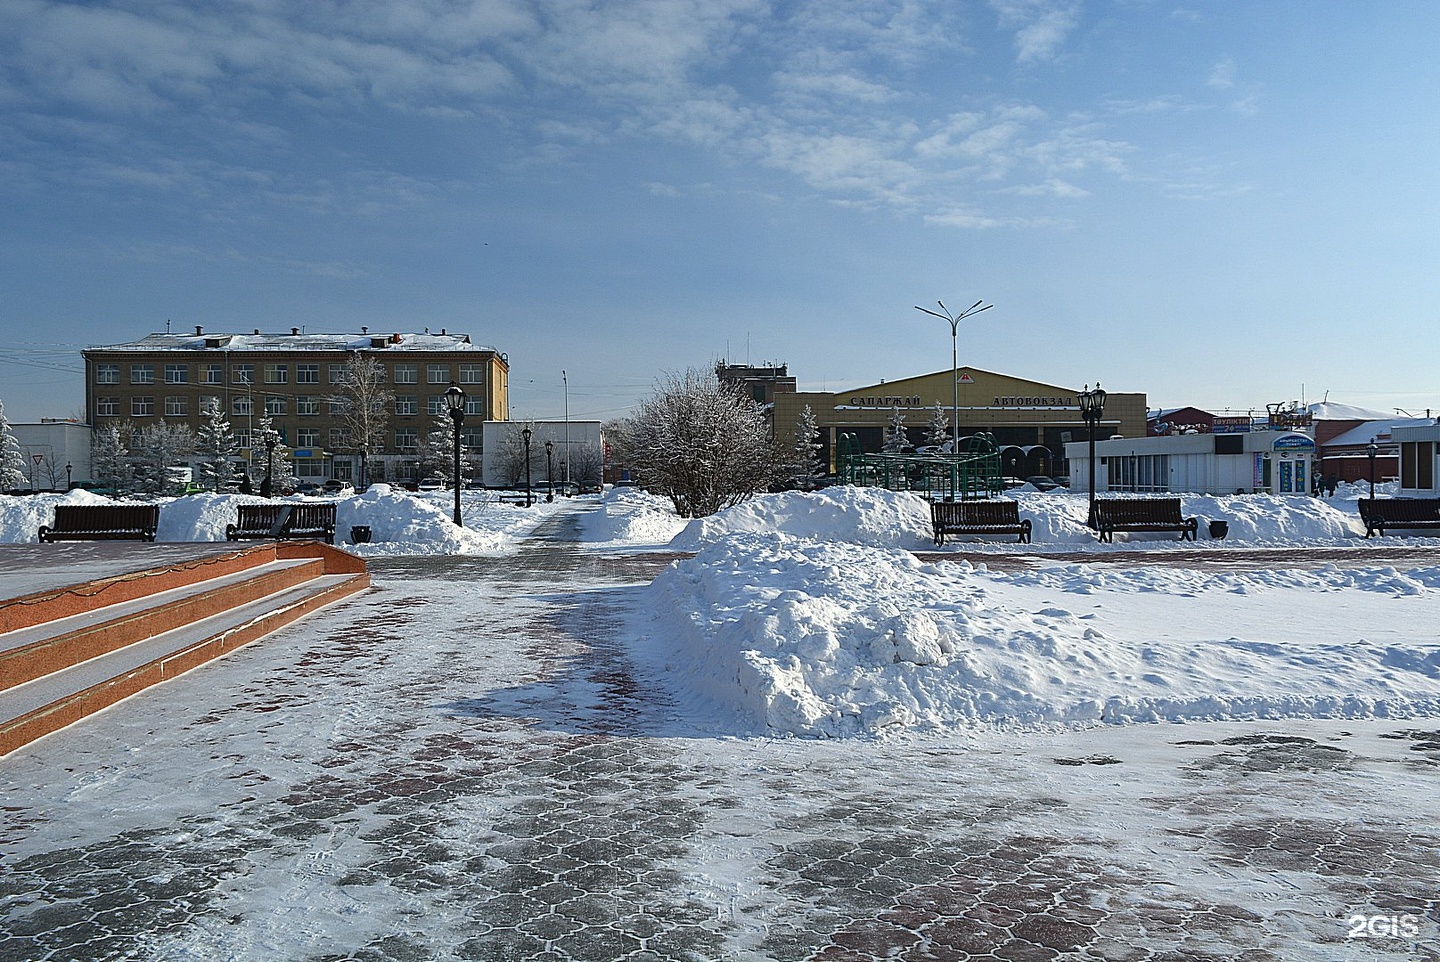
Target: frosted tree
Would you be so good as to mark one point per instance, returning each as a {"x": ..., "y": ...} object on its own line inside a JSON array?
[
  {"x": 110, "y": 457},
  {"x": 806, "y": 456},
  {"x": 12, "y": 459},
  {"x": 937, "y": 432},
  {"x": 282, "y": 471},
  {"x": 363, "y": 401},
  {"x": 218, "y": 451},
  {"x": 586, "y": 463},
  {"x": 155, "y": 451},
  {"x": 895, "y": 440},
  {"x": 436, "y": 452},
  {"x": 700, "y": 443}
]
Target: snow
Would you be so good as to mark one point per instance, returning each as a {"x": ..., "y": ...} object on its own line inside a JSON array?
[{"x": 811, "y": 614}]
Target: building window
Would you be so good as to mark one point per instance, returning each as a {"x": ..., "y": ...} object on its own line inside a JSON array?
[
  {"x": 306, "y": 405},
  {"x": 242, "y": 438},
  {"x": 435, "y": 405},
  {"x": 274, "y": 406},
  {"x": 437, "y": 373},
  {"x": 308, "y": 437},
  {"x": 177, "y": 374},
  {"x": 474, "y": 405},
  {"x": 307, "y": 374},
  {"x": 212, "y": 374},
  {"x": 339, "y": 438},
  {"x": 406, "y": 439},
  {"x": 142, "y": 374},
  {"x": 243, "y": 406},
  {"x": 472, "y": 374},
  {"x": 107, "y": 407},
  {"x": 406, "y": 374},
  {"x": 243, "y": 374},
  {"x": 107, "y": 374},
  {"x": 470, "y": 437},
  {"x": 337, "y": 373},
  {"x": 406, "y": 404},
  {"x": 142, "y": 407},
  {"x": 336, "y": 406},
  {"x": 277, "y": 373},
  {"x": 177, "y": 406},
  {"x": 210, "y": 404}
]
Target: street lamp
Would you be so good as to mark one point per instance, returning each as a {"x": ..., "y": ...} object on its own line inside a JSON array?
[
  {"x": 1372, "y": 449},
  {"x": 525, "y": 436},
  {"x": 455, "y": 401},
  {"x": 68, "y": 482},
  {"x": 549, "y": 471},
  {"x": 1092, "y": 408},
  {"x": 955, "y": 360},
  {"x": 268, "y": 483}
]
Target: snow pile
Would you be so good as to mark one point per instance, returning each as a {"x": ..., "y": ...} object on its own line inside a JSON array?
[
  {"x": 632, "y": 516},
  {"x": 798, "y": 637},
  {"x": 870, "y": 516},
  {"x": 21, "y": 516}
]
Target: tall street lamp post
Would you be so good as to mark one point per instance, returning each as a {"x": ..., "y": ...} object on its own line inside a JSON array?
[
  {"x": 525, "y": 436},
  {"x": 68, "y": 468},
  {"x": 1372, "y": 449},
  {"x": 455, "y": 401},
  {"x": 549, "y": 471},
  {"x": 955, "y": 320},
  {"x": 267, "y": 485},
  {"x": 1092, "y": 408}
]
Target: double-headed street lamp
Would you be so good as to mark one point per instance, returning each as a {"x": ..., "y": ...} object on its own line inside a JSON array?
[
  {"x": 455, "y": 401},
  {"x": 1092, "y": 409},
  {"x": 955, "y": 320},
  {"x": 525, "y": 436}
]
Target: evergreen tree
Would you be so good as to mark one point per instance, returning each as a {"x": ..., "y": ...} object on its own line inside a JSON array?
[
  {"x": 218, "y": 450},
  {"x": 110, "y": 457},
  {"x": 937, "y": 432},
  {"x": 12, "y": 459},
  {"x": 807, "y": 445},
  {"x": 282, "y": 471},
  {"x": 437, "y": 453},
  {"x": 895, "y": 440},
  {"x": 154, "y": 451}
]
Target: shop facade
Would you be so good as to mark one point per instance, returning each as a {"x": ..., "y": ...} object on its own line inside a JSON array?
[{"x": 1250, "y": 462}]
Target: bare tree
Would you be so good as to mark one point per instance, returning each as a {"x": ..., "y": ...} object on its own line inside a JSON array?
[
  {"x": 363, "y": 401},
  {"x": 702, "y": 444},
  {"x": 510, "y": 459},
  {"x": 586, "y": 462}
]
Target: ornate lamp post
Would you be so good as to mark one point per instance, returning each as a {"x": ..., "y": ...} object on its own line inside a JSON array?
[
  {"x": 549, "y": 471},
  {"x": 455, "y": 401},
  {"x": 1092, "y": 408},
  {"x": 1372, "y": 449},
  {"x": 955, "y": 360},
  {"x": 68, "y": 468},
  {"x": 525, "y": 436},
  {"x": 267, "y": 485}
]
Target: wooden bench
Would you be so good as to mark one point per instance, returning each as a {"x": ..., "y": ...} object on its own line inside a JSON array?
[
  {"x": 978, "y": 517},
  {"x": 1142, "y": 514},
  {"x": 284, "y": 522},
  {"x": 102, "y": 522},
  {"x": 1381, "y": 513}
]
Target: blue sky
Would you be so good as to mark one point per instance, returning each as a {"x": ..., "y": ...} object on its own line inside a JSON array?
[{"x": 1218, "y": 204}]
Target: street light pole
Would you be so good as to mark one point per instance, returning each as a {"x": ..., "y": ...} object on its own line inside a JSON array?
[
  {"x": 267, "y": 485},
  {"x": 525, "y": 436},
  {"x": 565, "y": 454},
  {"x": 455, "y": 401},
  {"x": 68, "y": 468},
  {"x": 1092, "y": 408},
  {"x": 1372, "y": 449},
  {"x": 954, "y": 321},
  {"x": 549, "y": 471}
]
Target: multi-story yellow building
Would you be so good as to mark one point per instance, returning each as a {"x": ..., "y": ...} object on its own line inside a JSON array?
[{"x": 294, "y": 378}]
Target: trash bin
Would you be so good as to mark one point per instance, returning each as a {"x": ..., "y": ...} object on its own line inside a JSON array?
[
  {"x": 360, "y": 534},
  {"x": 1219, "y": 529}
]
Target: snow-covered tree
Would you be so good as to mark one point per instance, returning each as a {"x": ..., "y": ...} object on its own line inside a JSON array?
[
  {"x": 806, "y": 456},
  {"x": 363, "y": 401},
  {"x": 12, "y": 459},
  {"x": 282, "y": 471},
  {"x": 937, "y": 432},
  {"x": 110, "y": 457},
  {"x": 702, "y": 444},
  {"x": 436, "y": 453},
  {"x": 218, "y": 451},
  {"x": 895, "y": 440},
  {"x": 154, "y": 451}
]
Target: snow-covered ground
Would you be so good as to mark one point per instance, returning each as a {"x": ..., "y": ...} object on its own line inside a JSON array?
[{"x": 810, "y": 613}]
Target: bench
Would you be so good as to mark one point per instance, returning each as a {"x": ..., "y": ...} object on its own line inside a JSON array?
[
  {"x": 1381, "y": 513},
  {"x": 978, "y": 517},
  {"x": 283, "y": 522},
  {"x": 102, "y": 522},
  {"x": 1142, "y": 514}
]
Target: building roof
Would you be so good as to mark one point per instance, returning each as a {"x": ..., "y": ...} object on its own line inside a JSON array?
[
  {"x": 1330, "y": 411},
  {"x": 394, "y": 341},
  {"x": 1360, "y": 436}
]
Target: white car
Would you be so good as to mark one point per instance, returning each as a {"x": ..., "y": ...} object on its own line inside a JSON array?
[{"x": 431, "y": 484}]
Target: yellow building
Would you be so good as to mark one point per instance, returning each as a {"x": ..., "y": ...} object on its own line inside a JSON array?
[
  {"x": 1031, "y": 421},
  {"x": 293, "y": 378}
]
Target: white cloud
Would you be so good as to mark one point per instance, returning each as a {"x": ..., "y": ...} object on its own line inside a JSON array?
[
  {"x": 1222, "y": 74},
  {"x": 1041, "y": 26}
]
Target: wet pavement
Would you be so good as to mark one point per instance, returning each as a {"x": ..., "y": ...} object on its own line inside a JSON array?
[{"x": 463, "y": 763}]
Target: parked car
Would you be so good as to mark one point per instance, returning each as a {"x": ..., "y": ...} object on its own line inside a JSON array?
[
  {"x": 309, "y": 488},
  {"x": 430, "y": 484},
  {"x": 337, "y": 487},
  {"x": 1042, "y": 483}
]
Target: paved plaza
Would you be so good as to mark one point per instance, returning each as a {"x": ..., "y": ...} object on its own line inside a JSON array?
[{"x": 463, "y": 763}]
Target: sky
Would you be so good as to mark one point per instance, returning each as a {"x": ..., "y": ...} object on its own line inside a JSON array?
[{"x": 1219, "y": 205}]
